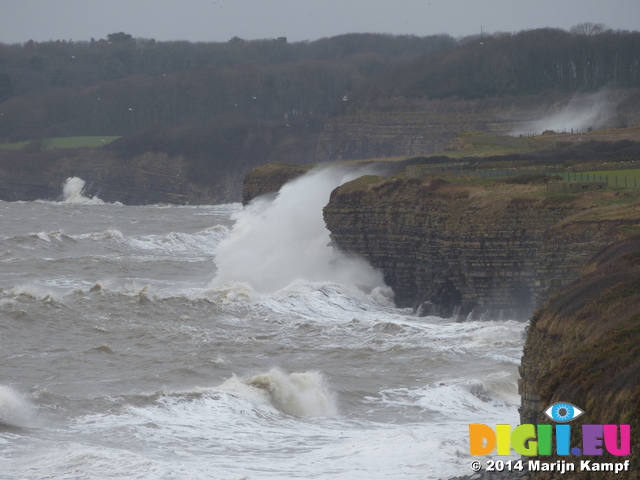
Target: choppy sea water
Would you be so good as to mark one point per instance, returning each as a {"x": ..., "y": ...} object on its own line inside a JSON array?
[{"x": 213, "y": 342}]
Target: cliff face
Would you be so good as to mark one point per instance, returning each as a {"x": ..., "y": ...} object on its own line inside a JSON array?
[
  {"x": 268, "y": 179},
  {"x": 421, "y": 127},
  {"x": 402, "y": 126},
  {"x": 582, "y": 347},
  {"x": 486, "y": 247},
  {"x": 144, "y": 179},
  {"x": 497, "y": 250}
]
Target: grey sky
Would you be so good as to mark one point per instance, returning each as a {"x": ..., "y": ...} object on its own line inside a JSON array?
[{"x": 219, "y": 20}]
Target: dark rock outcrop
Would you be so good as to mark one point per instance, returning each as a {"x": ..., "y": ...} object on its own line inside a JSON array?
[{"x": 268, "y": 179}]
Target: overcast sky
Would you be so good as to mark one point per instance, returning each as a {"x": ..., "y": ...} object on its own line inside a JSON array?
[{"x": 219, "y": 20}]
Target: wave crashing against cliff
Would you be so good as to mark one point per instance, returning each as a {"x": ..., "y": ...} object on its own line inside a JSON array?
[
  {"x": 73, "y": 189},
  {"x": 275, "y": 242}
]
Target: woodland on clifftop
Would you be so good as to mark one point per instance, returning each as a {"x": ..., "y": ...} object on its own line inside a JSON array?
[
  {"x": 256, "y": 101},
  {"x": 122, "y": 85}
]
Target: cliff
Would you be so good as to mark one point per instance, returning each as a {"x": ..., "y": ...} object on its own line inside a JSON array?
[
  {"x": 421, "y": 126},
  {"x": 146, "y": 178},
  {"x": 478, "y": 248},
  {"x": 582, "y": 347},
  {"x": 269, "y": 178}
]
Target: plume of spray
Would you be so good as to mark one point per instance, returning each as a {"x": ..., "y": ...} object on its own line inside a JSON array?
[
  {"x": 275, "y": 242},
  {"x": 15, "y": 409},
  {"x": 73, "y": 189},
  {"x": 582, "y": 112},
  {"x": 301, "y": 394}
]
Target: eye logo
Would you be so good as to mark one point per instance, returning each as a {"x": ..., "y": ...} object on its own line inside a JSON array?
[
  {"x": 563, "y": 412},
  {"x": 538, "y": 440}
]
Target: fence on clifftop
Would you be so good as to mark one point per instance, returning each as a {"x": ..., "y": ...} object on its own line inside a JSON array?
[{"x": 606, "y": 179}]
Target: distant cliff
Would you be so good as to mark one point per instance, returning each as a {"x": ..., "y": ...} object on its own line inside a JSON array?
[
  {"x": 484, "y": 250},
  {"x": 144, "y": 179},
  {"x": 207, "y": 163},
  {"x": 422, "y": 126}
]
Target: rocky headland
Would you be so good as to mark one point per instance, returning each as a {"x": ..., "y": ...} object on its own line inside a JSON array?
[
  {"x": 565, "y": 258},
  {"x": 472, "y": 250},
  {"x": 467, "y": 246}
]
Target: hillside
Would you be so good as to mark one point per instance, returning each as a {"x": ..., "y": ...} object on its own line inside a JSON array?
[{"x": 225, "y": 108}]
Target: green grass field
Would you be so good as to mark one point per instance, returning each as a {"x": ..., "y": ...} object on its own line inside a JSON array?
[
  {"x": 614, "y": 178},
  {"x": 62, "y": 142}
]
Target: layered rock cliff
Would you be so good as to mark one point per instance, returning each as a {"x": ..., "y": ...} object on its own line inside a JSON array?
[
  {"x": 402, "y": 126},
  {"x": 582, "y": 347},
  {"x": 478, "y": 250},
  {"x": 448, "y": 244}
]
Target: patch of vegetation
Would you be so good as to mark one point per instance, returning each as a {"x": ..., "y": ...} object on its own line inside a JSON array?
[
  {"x": 487, "y": 151},
  {"x": 528, "y": 178},
  {"x": 275, "y": 170},
  {"x": 364, "y": 182},
  {"x": 14, "y": 145},
  {"x": 559, "y": 198},
  {"x": 40, "y": 144},
  {"x": 78, "y": 142},
  {"x": 615, "y": 178}
]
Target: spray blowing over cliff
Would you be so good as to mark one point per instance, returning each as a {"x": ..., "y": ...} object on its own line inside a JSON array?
[
  {"x": 578, "y": 115},
  {"x": 277, "y": 241}
]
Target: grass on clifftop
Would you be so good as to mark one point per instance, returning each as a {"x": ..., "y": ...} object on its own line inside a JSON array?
[
  {"x": 277, "y": 170},
  {"x": 59, "y": 142}
]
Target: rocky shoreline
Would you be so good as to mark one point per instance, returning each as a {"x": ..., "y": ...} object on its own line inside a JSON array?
[{"x": 472, "y": 245}]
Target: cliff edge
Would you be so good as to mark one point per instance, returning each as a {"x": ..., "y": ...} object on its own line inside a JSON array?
[{"x": 475, "y": 248}]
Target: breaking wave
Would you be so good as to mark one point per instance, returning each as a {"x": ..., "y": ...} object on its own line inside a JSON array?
[
  {"x": 73, "y": 189},
  {"x": 275, "y": 242},
  {"x": 15, "y": 409},
  {"x": 299, "y": 394}
]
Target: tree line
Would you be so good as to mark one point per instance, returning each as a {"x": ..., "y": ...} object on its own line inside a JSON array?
[
  {"x": 588, "y": 57},
  {"x": 123, "y": 85},
  {"x": 34, "y": 67}
]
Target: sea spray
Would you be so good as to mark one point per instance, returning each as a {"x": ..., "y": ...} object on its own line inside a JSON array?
[
  {"x": 73, "y": 189},
  {"x": 15, "y": 409},
  {"x": 302, "y": 394},
  {"x": 275, "y": 242},
  {"x": 580, "y": 114},
  {"x": 165, "y": 404}
]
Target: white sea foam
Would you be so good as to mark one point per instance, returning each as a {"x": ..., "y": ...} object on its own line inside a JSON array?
[
  {"x": 327, "y": 300},
  {"x": 15, "y": 409},
  {"x": 35, "y": 292},
  {"x": 73, "y": 189},
  {"x": 199, "y": 243},
  {"x": 394, "y": 397},
  {"x": 299, "y": 394},
  {"x": 275, "y": 242}
]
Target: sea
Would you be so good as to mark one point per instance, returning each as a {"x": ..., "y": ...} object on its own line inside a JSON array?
[{"x": 222, "y": 342}]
